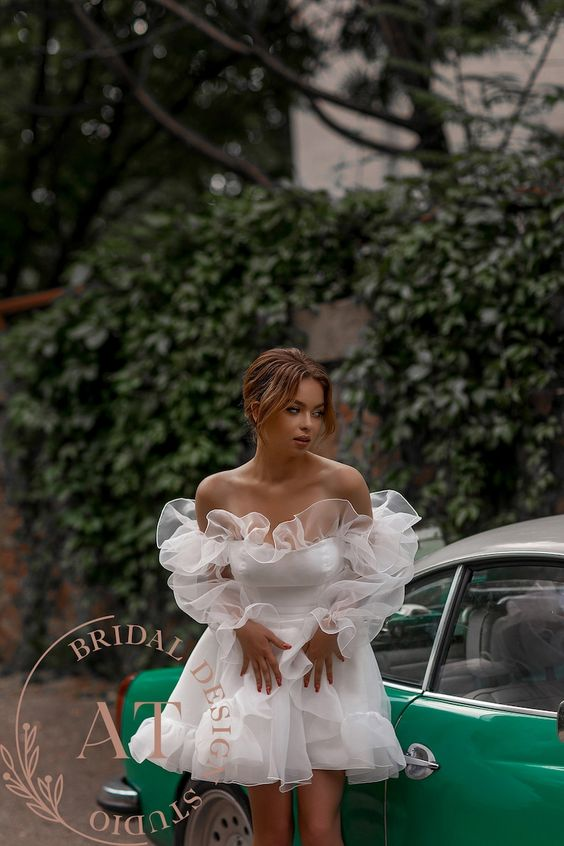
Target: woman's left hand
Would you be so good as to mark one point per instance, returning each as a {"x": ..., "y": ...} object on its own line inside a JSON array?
[{"x": 320, "y": 650}]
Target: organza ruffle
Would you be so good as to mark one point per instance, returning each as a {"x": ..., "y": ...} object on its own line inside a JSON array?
[
  {"x": 378, "y": 552},
  {"x": 282, "y": 736}
]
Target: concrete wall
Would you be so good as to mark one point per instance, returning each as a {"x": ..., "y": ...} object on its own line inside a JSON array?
[{"x": 325, "y": 159}]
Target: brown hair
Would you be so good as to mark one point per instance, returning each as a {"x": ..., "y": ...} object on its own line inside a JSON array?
[{"x": 272, "y": 380}]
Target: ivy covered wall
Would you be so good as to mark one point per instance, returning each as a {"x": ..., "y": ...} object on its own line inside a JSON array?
[{"x": 127, "y": 393}]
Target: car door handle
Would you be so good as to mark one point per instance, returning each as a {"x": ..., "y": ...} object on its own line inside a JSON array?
[{"x": 420, "y": 762}]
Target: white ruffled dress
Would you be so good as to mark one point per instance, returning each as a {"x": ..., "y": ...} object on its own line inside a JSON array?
[{"x": 329, "y": 567}]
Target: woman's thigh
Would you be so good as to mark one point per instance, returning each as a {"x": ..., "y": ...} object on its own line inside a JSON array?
[
  {"x": 272, "y": 814},
  {"x": 319, "y": 803}
]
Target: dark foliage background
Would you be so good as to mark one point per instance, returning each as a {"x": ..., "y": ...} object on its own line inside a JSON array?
[{"x": 124, "y": 394}]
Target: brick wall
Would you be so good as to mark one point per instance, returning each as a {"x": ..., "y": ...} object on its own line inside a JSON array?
[{"x": 13, "y": 570}]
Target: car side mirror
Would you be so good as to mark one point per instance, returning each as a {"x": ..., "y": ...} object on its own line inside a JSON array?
[{"x": 560, "y": 721}]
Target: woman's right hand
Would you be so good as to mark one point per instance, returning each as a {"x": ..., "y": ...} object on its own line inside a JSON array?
[{"x": 256, "y": 640}]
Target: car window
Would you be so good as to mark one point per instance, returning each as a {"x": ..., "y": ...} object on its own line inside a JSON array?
[
  {"x": 508, "y": 643},
  {"x": 403, "y": 646}
]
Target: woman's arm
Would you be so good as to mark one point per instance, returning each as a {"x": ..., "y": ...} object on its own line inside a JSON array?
[
  {"x": 379, "y": 548},
  {"x": 209, "y": 495}
]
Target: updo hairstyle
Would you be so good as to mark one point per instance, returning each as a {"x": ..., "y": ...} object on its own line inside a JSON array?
[{"x": 272, "y": 380}]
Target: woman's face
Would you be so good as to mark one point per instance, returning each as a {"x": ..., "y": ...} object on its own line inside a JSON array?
[{"x": 300, "y": 418}]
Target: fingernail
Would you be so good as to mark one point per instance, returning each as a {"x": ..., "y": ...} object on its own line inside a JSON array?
[
  {"x": 268, "y": 690},
  {"x": 306, "y": 684},
  {"x": 317, "y": 687}
]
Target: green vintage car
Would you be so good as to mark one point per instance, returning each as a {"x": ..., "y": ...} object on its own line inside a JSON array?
[
  {"x": 413, "y": 622},
  {"x": 480, "y": 714}
]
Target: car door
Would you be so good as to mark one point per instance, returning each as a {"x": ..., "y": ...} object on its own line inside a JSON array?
[
  {"x": 405, "y": 660},
  {"x": 486, "y": 715}
]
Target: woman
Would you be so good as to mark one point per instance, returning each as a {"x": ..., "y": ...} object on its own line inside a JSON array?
[{"x": 294, "y": 565}]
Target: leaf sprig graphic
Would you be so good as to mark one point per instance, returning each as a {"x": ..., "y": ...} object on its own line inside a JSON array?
[{"x": 45, "y": 805}]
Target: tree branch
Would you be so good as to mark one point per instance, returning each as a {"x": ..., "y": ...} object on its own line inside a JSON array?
[
  {"x": 406, "y": 48},
  {"x": 114, "y": 169},
  {"x": 459, "y": 79},
  {"x": 277, "y": 66},
  {"x": 188, "y": 136},
  {"x": 524, "y": 95},
  {"x": 355, "y": 137}
]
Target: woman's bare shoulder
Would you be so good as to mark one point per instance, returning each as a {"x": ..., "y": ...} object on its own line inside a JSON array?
[
  {"x": 212, "y": 492},
  {"x": 346, "y": 482},
  {"x": 341, "y": 478}
]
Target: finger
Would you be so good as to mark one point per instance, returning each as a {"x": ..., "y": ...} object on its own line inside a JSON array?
[
  {"x": 273, "y": 665},
  {"x": 245, "y": 666},
  {"x": 277, "y": 641},
  {"x": 258, "y": 675},
  {"x": 307, "y": 676},
  {"x": 329, "y": 669},
  {"x": 318, "y": 671},
  {"x": 276, "y": 671},
  {"x": 266, "y": 673}
]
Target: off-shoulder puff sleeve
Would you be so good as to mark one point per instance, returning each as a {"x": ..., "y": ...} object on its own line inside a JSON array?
[
  {"x": 379, "y": 554},
  {"x": 196, "y": 560}
]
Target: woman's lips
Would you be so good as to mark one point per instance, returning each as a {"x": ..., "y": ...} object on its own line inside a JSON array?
[{"x": 303, "y": 440}]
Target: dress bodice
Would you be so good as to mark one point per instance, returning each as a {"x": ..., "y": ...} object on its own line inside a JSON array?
[
  {"x": 307, "y": 566},
  {"x": 329, "y": 561},
  {"x": 293, "y": 585}
]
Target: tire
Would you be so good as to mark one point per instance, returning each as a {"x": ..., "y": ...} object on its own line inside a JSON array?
[{"x": 222, "y": 817}]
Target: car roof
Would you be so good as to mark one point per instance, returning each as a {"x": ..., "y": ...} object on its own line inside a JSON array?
[{"x": 540, "y": 536}]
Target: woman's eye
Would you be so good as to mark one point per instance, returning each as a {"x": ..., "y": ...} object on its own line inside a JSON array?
[{"x": 318, "y": 413}]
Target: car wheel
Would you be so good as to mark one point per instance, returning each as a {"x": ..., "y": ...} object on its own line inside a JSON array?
[{"x": 223, "y": 817}]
